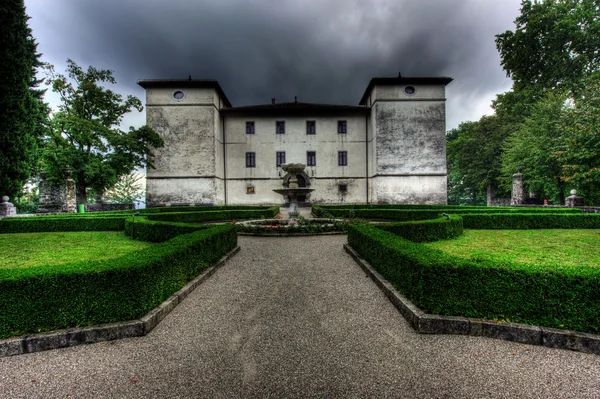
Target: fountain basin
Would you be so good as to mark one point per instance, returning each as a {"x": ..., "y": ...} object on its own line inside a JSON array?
[{"x": 291, "y": 226}]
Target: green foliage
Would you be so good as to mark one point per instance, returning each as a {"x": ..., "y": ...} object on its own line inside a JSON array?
[
  {"x": 22, "y": 111},
  {"x": 580, "y": 159},
  {"x": 94, "y": 292},
  {"x": 208, "y": 216},
  {"x": 474, "y": 157},
  {"x": 140, "y": 228},
  {"x": 128, "y": 190},
  {"x": 65, "y": 223},
  {"x": 506, "y": 221},
  {"x": 85, "y": 135},
  {"x": 427, "y": 230},
  {"x": 534, "y": 149},
  {"x": 554, "y": 45},
  {"x": 377, "y": 213},
  {"x": 443, "y": 284}
]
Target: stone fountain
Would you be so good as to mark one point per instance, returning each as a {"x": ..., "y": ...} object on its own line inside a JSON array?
[{"x": 292, "y": 191}]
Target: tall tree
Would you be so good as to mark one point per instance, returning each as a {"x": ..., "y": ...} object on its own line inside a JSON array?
[
  {"x": 22, "y": 111},
  {"x": 535, "y": 147},
  {"x": 85, "y": 133},
  {"x": 554, "y": 45},
  {"x": 581, "y": 156}
]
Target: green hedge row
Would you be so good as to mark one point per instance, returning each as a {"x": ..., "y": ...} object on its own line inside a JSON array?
[
  {"x": 145, "y": 211},
  {"x": 426, "y": 230},
  {"x": 385, "y": 214},
  {"x": 94, "y": 292},
  {"x": 530, "y": 221},
  {"x": 199, "y": 217},
  {"x": 457, "y": 210},
  {"x": 140, "y": 228},
  {"x": 443, "y": 284},
  {"x": 48, "y": 224}
]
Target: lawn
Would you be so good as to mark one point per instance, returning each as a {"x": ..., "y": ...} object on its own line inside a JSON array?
[
  {"x": 25, "y": 250},
  {"x": 563, "y": 248}
]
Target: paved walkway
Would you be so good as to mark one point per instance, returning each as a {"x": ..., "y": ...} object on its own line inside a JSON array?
[{"x": 296, "y": 317}]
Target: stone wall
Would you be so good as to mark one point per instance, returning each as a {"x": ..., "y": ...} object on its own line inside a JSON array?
[{"x": 57, "y": 197}]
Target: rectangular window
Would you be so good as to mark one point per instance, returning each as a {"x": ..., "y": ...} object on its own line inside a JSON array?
[
  {"x": 249, "y": 127},
  {"x": 280, "y": 127},
  {"x": 343, "y": 188},
  {"x": 311, "y": 127},
  {"x": 250, "y": 159},
  {"x": 250, "y": 190},
  {"x": 342, "y": 127},
  {"x": 342, "y": 158},
  {"x": 280, "y": 158},
  {"x": 311, "y": 158}
]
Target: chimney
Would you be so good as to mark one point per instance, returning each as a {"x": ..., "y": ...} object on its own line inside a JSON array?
[
  {"x": 190, "y": 77},
  {"x": 399, "y": 74},
  {"x": 295, "y": 99},
  {"x": 273, "y": 100}
]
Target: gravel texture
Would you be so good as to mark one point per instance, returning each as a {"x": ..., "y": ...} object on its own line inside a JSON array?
[{"x": 296, "y": 317}]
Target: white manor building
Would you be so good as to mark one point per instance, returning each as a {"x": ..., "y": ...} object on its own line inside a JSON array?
[{"x": 391, "y": 148}]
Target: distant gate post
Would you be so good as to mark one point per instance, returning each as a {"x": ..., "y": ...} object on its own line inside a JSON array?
[{"x": 518, "y": 191}]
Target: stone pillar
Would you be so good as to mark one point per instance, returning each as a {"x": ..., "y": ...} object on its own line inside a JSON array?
[
  {"x": 573, "y": 200},
  {"x": 491, "y": 194},
  {"x": 50, "y": 196},
  {"x": 518, "y": 191},
  {"x": 6, "y": 208},
  {"x": 69, "y": 193}
]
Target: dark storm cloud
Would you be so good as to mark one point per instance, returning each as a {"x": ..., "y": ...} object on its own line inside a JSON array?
[{"x": 318, "y": 50}]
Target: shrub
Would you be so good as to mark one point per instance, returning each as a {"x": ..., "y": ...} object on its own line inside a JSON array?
[
  {"x": 383, "y": 214},
  {"x": 443, "y": 284},
  {"x": 48, "y": 224},
  {"x": 199, "y": 217},
  {"x": 88, "y": 293},
  {"x": 531, "y": 221},
  {"x": 426, "y": 230},
  {"x": 146, "y": 230}
]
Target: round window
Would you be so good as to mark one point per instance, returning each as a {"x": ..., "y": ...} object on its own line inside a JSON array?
[
  {"x": 409, "y": 90},
  {"x": 178, "y": 95}
]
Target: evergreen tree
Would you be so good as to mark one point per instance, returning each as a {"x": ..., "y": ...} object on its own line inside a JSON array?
[{"x": 22, "y": 110}]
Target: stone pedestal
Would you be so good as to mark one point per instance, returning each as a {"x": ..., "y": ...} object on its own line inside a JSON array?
[
  {"x": 573, "y": 200},
  {"x": 518, "y": 191},
  {"x": 6, "y": 208},
  {"x": 69, "y": 193}
]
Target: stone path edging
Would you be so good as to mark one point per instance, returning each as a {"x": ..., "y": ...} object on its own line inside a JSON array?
[
  {"x": 435, "y": 324},
  {"x": 107, "y": 332}
]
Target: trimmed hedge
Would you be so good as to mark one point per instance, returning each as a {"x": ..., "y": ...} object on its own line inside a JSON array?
[
  {"x": 384, "y": 214},
  {"x": 94, "y": 292},
  {"x": 426, "y": 230},
  {"x": 443, "y": 284},
  {"x": 531, "y": 221},
  {"x": 453, "y": 208},
  {"x": 121, "y": 213},
  {"x": 48, "y": 224},
  {"x": 199, "y": 217},
  {"x": 146, "y": 230}
]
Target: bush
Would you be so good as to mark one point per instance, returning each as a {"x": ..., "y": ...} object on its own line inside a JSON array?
[
  {"x": 200, "y": 217},
  {"x": 48, "y": 224},
  {"x": 146, "y": 230},
  {"x": 530, "y": 221},
  {"x": 426, "y": 230},
  {"x": 443, "y": 284},
  {"x": 94, "y": 292},
  {"x": 456, "y": 210},
  {"x": 382, "y": 214}
]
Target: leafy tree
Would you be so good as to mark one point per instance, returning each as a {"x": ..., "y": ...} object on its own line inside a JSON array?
[
  {"x": 474, "y": 156},
  {"x": 554, "y": 46},
  {"x": 534, "y": 149},
  {"x": 128, "y": 190},
  {"x": 581, "y": 156},
  {"x": 22, "y": 111},
  {"x": 85, "y": 134}
]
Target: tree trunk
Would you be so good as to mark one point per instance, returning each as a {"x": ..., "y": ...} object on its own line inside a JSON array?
[{"x": 81, "y": 191}]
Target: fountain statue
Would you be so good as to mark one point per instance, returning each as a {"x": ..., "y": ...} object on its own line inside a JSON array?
[{"x": 292, "y": 191}]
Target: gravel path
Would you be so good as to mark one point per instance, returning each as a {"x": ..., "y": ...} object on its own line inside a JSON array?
[{"x": 296, "y": 317}]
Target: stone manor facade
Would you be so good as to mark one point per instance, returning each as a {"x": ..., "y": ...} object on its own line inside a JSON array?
[{"x": 391, "y": 148}]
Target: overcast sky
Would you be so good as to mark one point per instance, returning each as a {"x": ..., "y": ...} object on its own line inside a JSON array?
[{"x": 319, "y": 50}]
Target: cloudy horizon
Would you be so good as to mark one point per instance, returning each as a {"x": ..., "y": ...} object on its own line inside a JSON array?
[{"x": 319, "y": 51}]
